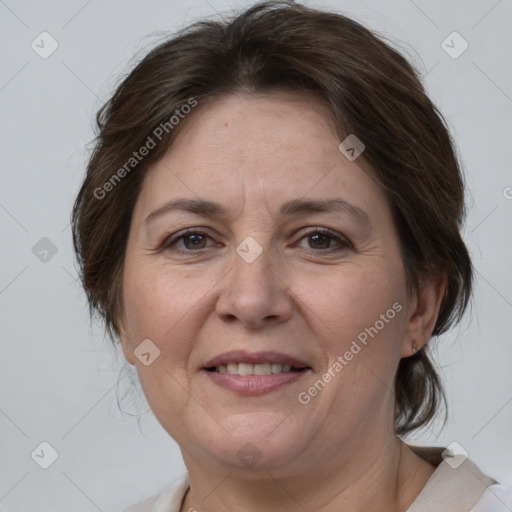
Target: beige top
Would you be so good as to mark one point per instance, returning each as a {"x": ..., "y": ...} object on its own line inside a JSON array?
[{"x": 457, "y": 485}]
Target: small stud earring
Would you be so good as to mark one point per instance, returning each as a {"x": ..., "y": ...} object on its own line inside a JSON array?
[{"x": 414, "y": 347}]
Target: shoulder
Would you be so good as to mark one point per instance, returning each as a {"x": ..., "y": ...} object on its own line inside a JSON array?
[
  {"x": 169, "y": 500},
  {"x": 496, "y": 498},
  {"x": 458, "y": 485}
]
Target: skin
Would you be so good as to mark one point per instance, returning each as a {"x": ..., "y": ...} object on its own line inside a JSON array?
[{"x": 251, "y": 153}]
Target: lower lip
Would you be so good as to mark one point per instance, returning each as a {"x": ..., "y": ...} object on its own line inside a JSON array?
[{"x": 252, "y": 385}]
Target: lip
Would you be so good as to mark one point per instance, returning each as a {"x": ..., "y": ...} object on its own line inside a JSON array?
[
  {"x": 242, "y": 356},
  {"x": 252, "y": 385}
]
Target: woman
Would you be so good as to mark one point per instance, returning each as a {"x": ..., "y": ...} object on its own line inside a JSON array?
[{"x": 270, "y": 226}]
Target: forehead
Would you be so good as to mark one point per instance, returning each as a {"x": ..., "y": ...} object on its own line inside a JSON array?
[
  {"x": 267, "y": 127},
  {"x": 258, "y": 148}
]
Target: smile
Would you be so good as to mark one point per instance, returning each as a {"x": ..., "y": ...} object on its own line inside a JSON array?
[
  {"x": 254, "y": 369},
  {"x": 249, "y": 383}
]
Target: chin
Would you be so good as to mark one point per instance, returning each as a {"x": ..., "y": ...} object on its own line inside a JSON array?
[{"x": 255, "y": 441}]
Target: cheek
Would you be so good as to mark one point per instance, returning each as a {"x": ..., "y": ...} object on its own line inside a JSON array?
[
  {"x": 155, "y": 299},
  {"x": 360, "y": 348},
  {"x": 367, "y": 324},
  {"x": 168, "y": 308},
  {"x": 351, "y": 299},
  {"x": 162, "y": 308}
]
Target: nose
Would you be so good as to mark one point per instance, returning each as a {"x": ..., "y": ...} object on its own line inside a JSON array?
[{"x": 255, "y": 294}]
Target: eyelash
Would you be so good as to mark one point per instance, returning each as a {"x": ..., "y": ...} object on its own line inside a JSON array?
[{"x": 342, "y": 241}]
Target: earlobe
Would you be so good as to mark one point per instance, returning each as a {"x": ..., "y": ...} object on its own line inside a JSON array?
[
  {"x": 123, "y": 334},
  {"x": 126, "y": 347},
  {"x": 128, "y": 351},
  {"x": 423, "y": 311}
]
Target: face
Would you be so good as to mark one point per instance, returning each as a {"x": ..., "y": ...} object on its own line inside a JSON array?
[{"x": 271, "y": 275}]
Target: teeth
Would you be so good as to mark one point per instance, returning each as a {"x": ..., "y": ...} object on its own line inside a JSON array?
[
  {"x": 261, "y": 369},
  {"x": 276, "y": 368},
  {"x": 253, "y": 369},
  {"x": 245, "y": 369}
]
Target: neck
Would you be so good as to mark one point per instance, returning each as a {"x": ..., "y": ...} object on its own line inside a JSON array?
[{"x": 392, "y": 478}]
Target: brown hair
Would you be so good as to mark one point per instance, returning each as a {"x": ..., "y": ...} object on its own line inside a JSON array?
[{"x": 373, "y": 93}]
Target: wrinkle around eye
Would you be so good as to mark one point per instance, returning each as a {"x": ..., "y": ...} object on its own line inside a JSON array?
[{"x": 338, "y": 243}]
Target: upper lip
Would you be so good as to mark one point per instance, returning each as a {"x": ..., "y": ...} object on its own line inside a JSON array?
[{"x": 242, "y": 356}]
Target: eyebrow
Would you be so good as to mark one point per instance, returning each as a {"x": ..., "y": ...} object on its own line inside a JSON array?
[{"x": 212, "y": 209}]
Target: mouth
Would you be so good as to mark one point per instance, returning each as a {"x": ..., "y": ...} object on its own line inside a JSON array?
[
  {"x": 254, "y": 374},
  {"x": 255, "y": 369}
]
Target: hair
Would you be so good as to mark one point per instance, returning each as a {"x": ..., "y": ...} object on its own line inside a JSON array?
[{"x": 372, "y": 91}]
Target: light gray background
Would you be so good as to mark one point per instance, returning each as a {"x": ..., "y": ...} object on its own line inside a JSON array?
[{"x": 58, "y": 374}]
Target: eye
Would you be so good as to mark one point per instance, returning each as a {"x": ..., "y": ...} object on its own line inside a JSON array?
[
  {"x": 192, "y": 240},
  {"x": 321, "y": 239}
]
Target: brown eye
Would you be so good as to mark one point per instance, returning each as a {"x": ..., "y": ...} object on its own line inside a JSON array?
[
  {"x": 191, "y": 241},
  {"x": 194, "y": 241},
  {"x": 323, "y": 239}
]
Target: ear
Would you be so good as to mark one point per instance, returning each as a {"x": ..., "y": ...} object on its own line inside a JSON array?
[
  {"x": 423, "y": 311},
  {"x": 126, "y": 345}
]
